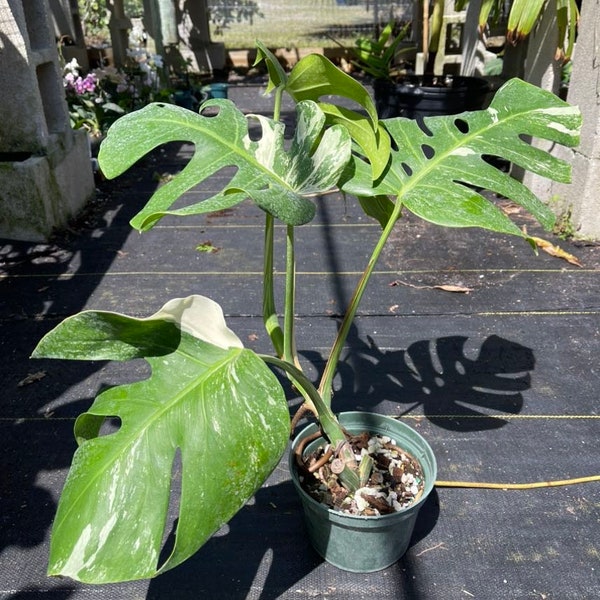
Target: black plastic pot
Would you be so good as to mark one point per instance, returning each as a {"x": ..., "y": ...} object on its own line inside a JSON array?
[{"x": 429, "y": 96}]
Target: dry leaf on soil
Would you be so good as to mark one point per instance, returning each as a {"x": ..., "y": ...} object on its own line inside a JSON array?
[
  {"x": 460, "y": 289},
  {"x": 32, "y": 378},
  {"x": 557, "y": 251}
]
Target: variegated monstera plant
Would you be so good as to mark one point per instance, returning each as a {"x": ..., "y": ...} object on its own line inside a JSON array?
[{"x": 209, "y": 398}]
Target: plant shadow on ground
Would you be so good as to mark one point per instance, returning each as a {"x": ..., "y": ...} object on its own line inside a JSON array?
[
  {"x": 41, "y": 284},
  {"x": 455, "y": 391},
  {"x": 264, "y": 552}
]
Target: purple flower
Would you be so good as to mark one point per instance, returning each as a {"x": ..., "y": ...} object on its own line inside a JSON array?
[{"x": 84, "y": 85}]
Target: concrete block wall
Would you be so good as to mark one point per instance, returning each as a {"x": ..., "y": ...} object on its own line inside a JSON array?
[
  {"x": 45, "y": 170},
  {"x": 580, "y": 201}
]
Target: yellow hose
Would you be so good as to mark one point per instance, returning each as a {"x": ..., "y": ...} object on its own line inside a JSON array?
[{"x": 516, "y": 486}]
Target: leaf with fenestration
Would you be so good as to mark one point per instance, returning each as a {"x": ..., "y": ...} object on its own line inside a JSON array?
[
  {"x": 275, "y": 179},
  {"x": 437, "y": 171},
  {"x": 210, "y": 435}
]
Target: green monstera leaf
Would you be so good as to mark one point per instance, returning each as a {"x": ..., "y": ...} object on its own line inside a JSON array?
[
  {"x": 437, "y": 169},
  {"x": 315, "y": 77},
  {"x": 275, "y": 179},
  {"x": 208, "y": 400}
]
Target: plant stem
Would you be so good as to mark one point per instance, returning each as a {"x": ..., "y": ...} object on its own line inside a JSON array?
[
  {"x": 327, "y": 420},
  {"x": 270, "y": 318},
  {"x": 289, "y": 337},
  {"x": 425, "y": 34},
  {"x": 326, "y": 384},
  {"x": 277, "y": 103}
]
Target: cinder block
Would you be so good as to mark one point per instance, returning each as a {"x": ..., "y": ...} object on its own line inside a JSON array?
[
  {"x": 41, "y": 193},
  {"x": 45, "y": 168}
]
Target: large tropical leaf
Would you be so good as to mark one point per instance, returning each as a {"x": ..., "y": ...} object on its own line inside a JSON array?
[
  {"x": 208, "y": 400},
  {"x": 315, "y": 76},
  {"x": 436, "y": 170},
  {"x": 275, "y": 180}
]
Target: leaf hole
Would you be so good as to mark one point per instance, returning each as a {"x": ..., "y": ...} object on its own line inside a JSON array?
[
  {"x": 423, "y": 127},
  {"x": 255, "y": 130},
  {"x": 461, "y": 125},
  {"x": 110, "y": 426},
  {"x": 428, "y": 151},
  {"x": 497, "y": 162},
  {"x": 172, "y": 520},
  {"x": 407, "y": 169},
  {"x": 208, "y": 110}
]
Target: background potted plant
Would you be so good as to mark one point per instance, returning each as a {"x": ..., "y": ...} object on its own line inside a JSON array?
[
  {"x": 524, "y": 15},
  {"x": 400, "y": 92},
  {"x": 98, "y": 98},
  {"x": 215, "y": 402}
]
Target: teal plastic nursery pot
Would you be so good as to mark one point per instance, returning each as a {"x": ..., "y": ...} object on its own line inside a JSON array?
[
  {"x": 216, "y": 90},
  {"x": 363, "y": 544}
]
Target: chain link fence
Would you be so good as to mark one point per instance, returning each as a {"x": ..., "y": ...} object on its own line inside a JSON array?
[{"x": 302, "y": 23}]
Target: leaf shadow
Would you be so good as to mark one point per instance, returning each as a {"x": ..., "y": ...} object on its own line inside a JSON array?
[
  {"x": 264, "y": 552},
  {"x": 41, "y": 283},
  {"x": 456, "y": 385},
  {"x": 454, "y": 390}
]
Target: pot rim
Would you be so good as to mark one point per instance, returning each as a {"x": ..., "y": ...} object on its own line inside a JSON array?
[
  {"x": 429, "y": 482},
  {"x": 459, "y": 82}
]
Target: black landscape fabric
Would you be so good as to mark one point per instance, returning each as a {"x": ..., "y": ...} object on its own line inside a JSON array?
[{"x": 488, "y": 350}]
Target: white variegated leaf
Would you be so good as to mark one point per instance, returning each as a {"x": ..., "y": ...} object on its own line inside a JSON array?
[
  {"x": 438, "y": 171},
  {"x": 206, "y": 400},
  {"x": 275, "y": 179}
]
